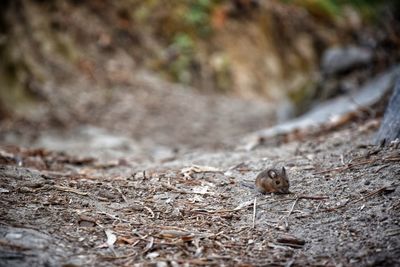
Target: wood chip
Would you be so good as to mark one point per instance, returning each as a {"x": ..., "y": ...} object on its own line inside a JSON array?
[{"x": 290, "y": 240}]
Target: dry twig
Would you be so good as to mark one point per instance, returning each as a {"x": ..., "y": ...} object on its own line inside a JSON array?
[
  {"x": 150, "y": 211},
  {"x": 239, "y": 207},
  {"x": 254, "y": 212},
  {"x": 176, "y": 190},
  {"x": 113, "y": 216},
  {"x": 371, "y": 194},
  {"x": 71, "y": 190},
  {"x": 292, "y": 208},
  {"x": 346, "y": 167},
  {"x": 313, "y": 197},
  {"x": 121, "y": 193}
]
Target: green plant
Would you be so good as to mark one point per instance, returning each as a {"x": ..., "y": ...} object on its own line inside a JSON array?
[
  {"x": 198, "y": 15},
  {"x": 334, "y": 8},
  {"x": 183, "y": 46}
]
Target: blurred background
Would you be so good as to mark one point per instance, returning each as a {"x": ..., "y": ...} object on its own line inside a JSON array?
[{"x": 175, "y": 73}]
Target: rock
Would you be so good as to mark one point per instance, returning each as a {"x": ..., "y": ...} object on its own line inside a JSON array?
[
  {"x": 332, "y": 113},
  {"x": 340, "y": 59},
  {"x": 29, "y": 247},
  {"x": 390, "y": 126}
]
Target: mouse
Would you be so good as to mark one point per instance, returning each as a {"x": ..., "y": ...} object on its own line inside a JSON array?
[{"x": 273, "y": 181}]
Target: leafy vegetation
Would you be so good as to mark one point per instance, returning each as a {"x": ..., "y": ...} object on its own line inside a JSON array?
[
  {"x": 184, "y": 24},
  {"x": 334, "y": 8},
  {"x": 215, "y": 45}
]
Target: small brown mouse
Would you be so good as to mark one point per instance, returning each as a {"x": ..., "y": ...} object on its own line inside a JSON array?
[{"x": 272, "y": 181}]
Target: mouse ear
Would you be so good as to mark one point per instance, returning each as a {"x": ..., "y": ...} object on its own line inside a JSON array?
[
  {"x": 283, "y": 171},
  {"x": 272, "y": 174}
]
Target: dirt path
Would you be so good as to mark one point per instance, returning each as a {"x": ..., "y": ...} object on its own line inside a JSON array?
[
  {"x": 58, "y": 209},
  {"x": 149, "y": 112},
  {"x": 154, "y": 176}
]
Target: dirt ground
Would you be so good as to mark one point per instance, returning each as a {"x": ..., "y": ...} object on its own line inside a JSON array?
[
  {"x": 105, "y": 164},
  {"x": 343, "y": 209},
  {"x": 155, "y": 177}
]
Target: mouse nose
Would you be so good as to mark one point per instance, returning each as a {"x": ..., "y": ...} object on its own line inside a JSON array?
[{"x": 284, "y": 191}]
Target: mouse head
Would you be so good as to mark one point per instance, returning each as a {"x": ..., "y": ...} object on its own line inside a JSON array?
[{"x": 279, "y": 180}]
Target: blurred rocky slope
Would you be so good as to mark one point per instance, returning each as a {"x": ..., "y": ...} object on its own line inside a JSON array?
[{"x": 268, "y": 49}]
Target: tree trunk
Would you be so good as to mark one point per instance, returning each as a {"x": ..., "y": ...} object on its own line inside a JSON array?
[{"x": 390, "y": 126}]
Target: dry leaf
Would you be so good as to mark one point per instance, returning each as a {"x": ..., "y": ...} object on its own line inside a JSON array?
[
  {"x": 200, "y": 189},
  {"x": 187, "y": 172},
  {"x": 111, "y": 238},
  {"x": 152, "y": 255},
  {"x": 244, "y": 204},
  {"x": 173, "y": 233},
  {"x": 149, "y": 245},
  {"x": 2, "y": 190},
  {"x": 126, "y": 240}
]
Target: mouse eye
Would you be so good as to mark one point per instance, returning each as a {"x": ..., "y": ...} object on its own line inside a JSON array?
[{"x": 277, "y": 182}]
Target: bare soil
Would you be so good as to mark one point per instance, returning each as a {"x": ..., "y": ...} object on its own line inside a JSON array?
[{"x": 175, "y": 191}]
